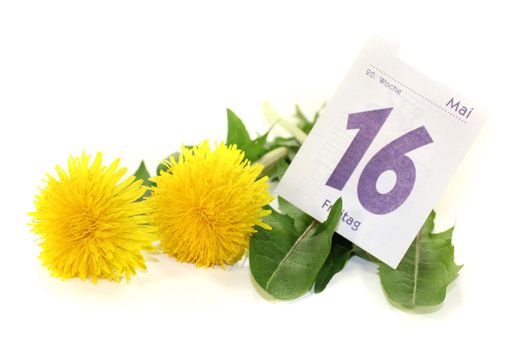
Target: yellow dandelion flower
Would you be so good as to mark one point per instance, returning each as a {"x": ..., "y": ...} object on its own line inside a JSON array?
[
  {"x": 90, "y": 223},
  {"x": 207, "y": 203}
]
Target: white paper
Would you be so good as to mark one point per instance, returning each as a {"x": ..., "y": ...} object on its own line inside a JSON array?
[{"x": 384, "y": 222}]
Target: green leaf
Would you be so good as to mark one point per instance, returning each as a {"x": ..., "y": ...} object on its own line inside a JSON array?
[
  {"x": 284, "y": 261},
  {"x": 301, "y": 219},
  {"x": 276, "y": 169},
  {"x": 340, "y": 252},
  {"x": 289, "y": 142},
  {"x": 257, "y": 148},
  {"x": 428, "y": 267},
  {"x": 142, "y": 173},
  {"x": 299, "y": 114},
  {"x": 282, "y": 166},
  {"x": 360, "y": 252},
  {"x": 304, "y": 123},
  {"x": 238, "y": 135}
]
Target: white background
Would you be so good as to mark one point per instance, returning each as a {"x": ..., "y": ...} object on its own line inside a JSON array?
[{"x": 138, "y": 79}]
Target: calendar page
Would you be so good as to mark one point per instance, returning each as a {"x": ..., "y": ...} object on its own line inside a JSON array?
[{"x": 387, "y": 143}]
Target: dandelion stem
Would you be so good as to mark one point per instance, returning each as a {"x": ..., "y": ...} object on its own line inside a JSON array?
[{"x": 270, "y": 159}]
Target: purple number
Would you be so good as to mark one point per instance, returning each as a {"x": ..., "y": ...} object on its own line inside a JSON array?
[
  {"x": 368, "y": 123},
  {"x": 390, "y": 157}
]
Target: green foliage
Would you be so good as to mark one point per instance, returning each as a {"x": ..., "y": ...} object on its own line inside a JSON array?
[
  {"x": 304, "y": 123},
  {"x": 360, "y": 252},
  {"x": 300, "y": 253},
  {"x": 340, "y": 252},
  {"x": 281, "y": 167},
  {"x": 276, "y": 171},
  {"x": 289, "y": 259},
  {"x": 300, "y": 218},
  {"x": 238, "y": 135},
  {"x": 284, "y": 261},
  {"x": 422, "y": 277},
  {"x": 290, "y": 143},
  {"x": 142, "y": 173}
]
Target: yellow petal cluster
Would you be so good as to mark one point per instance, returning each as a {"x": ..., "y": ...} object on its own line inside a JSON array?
[
  {"x": 207, "y": 204},
  {"x": 90, "y": 223}
]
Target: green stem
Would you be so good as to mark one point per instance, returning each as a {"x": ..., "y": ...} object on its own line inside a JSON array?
[{"x": 270, "y": 159}]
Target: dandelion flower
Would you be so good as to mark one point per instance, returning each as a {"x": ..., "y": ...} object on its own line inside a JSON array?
[
  {"x": 90, "y": 223},
  {"x": 207, "y": 203}
]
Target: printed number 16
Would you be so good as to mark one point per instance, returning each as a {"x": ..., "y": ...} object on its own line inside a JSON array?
[{"x": 390, "y": 157}]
